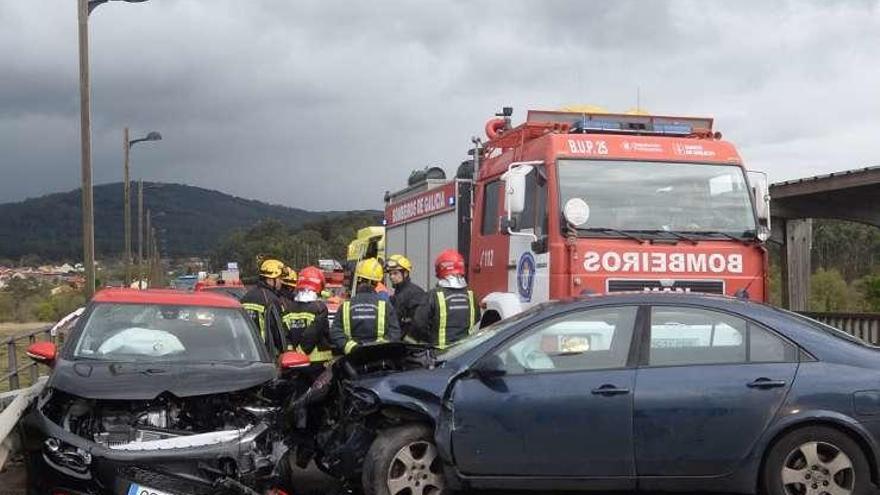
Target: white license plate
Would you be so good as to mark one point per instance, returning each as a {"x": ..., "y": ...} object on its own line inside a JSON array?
[{"x": 136, "y": 489}]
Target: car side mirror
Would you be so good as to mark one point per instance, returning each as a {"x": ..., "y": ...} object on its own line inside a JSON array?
[
  {"x": 42, "y": 352},
  {"x": 292, "y": 359},
  {"x": 489, "y": 367}
]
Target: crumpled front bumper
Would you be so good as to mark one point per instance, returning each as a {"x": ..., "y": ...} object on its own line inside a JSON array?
[{"x": 210, "y": 463}]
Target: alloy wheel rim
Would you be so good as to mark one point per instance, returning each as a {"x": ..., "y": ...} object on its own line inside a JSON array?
[
  {"x": 818, "y": 468},
  {"x": 415, "y": 470}
]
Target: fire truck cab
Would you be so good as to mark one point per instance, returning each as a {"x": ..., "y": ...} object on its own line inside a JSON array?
[{"x": 573, "y": 203}]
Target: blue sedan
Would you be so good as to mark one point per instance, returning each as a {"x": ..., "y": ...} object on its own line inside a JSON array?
[{"x": 655, "y": 392}]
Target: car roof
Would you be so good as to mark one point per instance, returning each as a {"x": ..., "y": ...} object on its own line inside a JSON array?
[
  {"x": 698, "y": 299},
  {"x": 166, "y": 297}
]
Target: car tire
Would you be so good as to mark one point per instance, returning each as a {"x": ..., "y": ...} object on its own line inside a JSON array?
[
  {"x": 404, "y": 460},
  {"x": 810, "y": 459}
]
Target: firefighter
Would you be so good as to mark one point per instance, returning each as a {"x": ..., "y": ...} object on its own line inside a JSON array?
[
  {"x": 366, "y": 317},
  {"x": 264, "y": 306},
  {"x": 407, "y": 295},
  {"x": 307, "y": 318},
  {"x": 450, "y": 310},
  {"x": 287, "y": 291}
]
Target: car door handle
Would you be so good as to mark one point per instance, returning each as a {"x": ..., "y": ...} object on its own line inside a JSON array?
[
  {"x": 609, "y": 390},
  {"x": 766, "y": 383}
]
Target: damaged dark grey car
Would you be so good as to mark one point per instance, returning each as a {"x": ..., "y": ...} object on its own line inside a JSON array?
[{"x": 159, "y": 393}]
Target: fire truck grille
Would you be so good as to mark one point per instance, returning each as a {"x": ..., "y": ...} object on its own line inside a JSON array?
[{"x": 703, "y": 286}]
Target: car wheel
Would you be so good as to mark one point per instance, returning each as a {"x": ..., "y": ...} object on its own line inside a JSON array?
[
  {"x": 404, "y": 461},
  {"x": 816, "y": 461}
]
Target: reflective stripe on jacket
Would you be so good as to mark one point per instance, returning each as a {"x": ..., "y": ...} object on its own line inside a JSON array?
[
  {"x": 364, "y": 319},
  {"x": 447, "y": 316}
]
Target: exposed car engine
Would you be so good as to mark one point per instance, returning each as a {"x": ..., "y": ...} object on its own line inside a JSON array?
[{"x": 115, "y": 424}]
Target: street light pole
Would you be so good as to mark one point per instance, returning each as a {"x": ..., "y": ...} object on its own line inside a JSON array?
[
  {"x": 140, "y": 232},
  {"x": 127, "y": 144},
  {"x": 126, "y": 208},
  {"x": 83, "y": 9},
  {"x": 88, "y": 219}
]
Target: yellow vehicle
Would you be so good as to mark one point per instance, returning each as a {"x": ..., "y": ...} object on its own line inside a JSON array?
[{"x": 369, "y": 243}]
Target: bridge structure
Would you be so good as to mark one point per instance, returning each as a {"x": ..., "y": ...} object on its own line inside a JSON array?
[{"x": 852, "y": 195}]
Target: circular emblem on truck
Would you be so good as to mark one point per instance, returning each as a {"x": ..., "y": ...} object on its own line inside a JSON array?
[{"x": 525, "y": 275}]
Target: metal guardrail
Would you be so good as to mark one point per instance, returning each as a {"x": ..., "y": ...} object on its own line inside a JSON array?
[
  {"x": 865, "y": 326},
  {"x": 13, "y": 369},
  {"x": 12, "y": 406}
]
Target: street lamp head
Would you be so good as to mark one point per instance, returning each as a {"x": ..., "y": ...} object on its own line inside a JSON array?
[
  {"x": 93, "y": 4},
  {"x": 151, "y": 136}
]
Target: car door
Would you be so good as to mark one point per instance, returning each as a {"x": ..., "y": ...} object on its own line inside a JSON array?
[
  {"x": 708, "y": 385},
  {"x": 562, "y": 407},
  {"x": 489, "y": 244}
]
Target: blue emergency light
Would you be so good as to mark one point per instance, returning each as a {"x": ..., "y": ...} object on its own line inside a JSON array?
[
  {"x": 623, "y": 123},
  {"x": 674, "y": 129}
]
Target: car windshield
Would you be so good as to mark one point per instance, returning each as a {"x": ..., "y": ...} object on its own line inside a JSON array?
[
  {"x": 143, "y": 332},
  {"x": 659, "y": 196},
  {"x": 484, "y": 334}
]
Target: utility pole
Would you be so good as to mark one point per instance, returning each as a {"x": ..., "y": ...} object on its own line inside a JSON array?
[
  {"x": 149, "y": 245},
  {"x": 88, "y": 214},
  {"x": 126, "y": 193},
  {"x": 140, "y": 231},
  {"x": 157, "y": 273}
]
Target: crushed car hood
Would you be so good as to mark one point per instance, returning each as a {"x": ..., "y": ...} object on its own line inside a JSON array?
[{"x": 146, "y": 381}]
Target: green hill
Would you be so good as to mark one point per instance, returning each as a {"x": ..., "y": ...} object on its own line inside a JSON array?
[{"x": 191, "y": 220}]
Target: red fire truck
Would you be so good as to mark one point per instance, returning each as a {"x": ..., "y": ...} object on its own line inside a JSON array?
[{"x": 572, "y": 203}]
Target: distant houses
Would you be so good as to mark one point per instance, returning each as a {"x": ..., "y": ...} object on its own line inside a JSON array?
[{"x": 65, "y": 274}]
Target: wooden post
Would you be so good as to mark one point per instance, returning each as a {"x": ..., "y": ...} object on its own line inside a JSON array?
[{"x": 796, "y": 268}]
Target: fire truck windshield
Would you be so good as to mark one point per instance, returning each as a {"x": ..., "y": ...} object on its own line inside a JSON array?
[{"x": 656, "y": 197}]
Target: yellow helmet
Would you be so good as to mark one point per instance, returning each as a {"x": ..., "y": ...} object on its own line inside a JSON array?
[
  {"x": 271, "y": 268},
  {"x": 369, "y": 269},
  {"x": 289, "y": 277},
  {"x": 398, "y": 262}
]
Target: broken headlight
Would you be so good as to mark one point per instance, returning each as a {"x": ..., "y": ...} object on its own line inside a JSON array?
[
  {"x": 67, "y": 458},
  {"x": 363, "y": 401}
]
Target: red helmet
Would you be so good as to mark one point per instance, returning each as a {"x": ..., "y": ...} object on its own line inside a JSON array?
[
  {"x": 449, "y": 262},
  {"x": 310, "y": 278}
]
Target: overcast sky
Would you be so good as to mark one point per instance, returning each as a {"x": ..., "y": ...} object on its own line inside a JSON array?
[{"x": 326, "y": 104}]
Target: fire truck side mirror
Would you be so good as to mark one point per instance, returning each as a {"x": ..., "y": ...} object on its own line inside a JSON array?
[
  {"x": 761, "y": 195},
  {"x": 515, "y": 191}
]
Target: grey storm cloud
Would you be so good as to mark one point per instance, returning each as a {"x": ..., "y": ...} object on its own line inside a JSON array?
[{"x": 326, "y": 104}]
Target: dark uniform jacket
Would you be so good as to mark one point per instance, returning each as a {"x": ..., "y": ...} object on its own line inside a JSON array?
[
  {"x": 264, "y": 307},
  {"x": 285, "y": 297},
  {"x": 446, "y": 316},
  {"x": 406, "y": 299},
  {"x": 308, "y": 329},
  {"x": 363, "y": 319}
]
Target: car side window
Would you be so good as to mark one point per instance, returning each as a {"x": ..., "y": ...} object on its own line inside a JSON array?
[
  {"x": 584, "y": 340},
  {"x": 692, "y": 336},
  {"x": 767, "y": 347}
]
